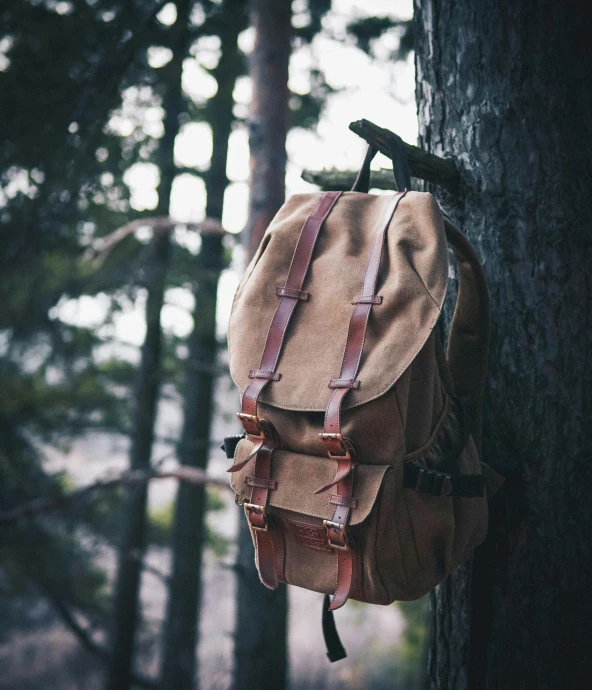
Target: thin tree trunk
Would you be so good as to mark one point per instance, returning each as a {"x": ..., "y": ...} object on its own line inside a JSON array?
[
  {"x": 505, "y": 89},
  {"x": 180, "y": 670},
  {"x": 261, "y": 649},
  {"x": 131, "y": 551}
]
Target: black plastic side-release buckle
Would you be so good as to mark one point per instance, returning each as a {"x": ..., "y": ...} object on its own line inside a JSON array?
[{"x": 229, "y": 445}]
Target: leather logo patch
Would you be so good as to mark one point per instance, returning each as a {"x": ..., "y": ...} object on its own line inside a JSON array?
[{"x": 311, "y": 536}]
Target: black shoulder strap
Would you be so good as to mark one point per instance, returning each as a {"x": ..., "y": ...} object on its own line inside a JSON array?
[{"x": 400, "y": 166}]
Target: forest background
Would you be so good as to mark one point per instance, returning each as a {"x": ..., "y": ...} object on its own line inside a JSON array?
[{"x": 123, "y": 193}]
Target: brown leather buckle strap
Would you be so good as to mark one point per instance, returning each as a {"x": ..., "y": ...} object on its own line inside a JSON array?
[
  {"x": 269, "y": 538},
  {"x": 334, "y": 442},
  {"x": 288, "y": 301}
]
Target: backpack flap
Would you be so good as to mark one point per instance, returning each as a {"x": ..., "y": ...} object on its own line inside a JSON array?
[{"x": 411, "y": 288}]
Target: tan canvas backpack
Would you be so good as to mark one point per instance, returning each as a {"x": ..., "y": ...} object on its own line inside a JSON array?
[{"x": 359, "y": 469}]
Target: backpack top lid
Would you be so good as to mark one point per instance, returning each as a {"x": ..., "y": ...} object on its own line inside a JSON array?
[{"x": 412, "y": 283}]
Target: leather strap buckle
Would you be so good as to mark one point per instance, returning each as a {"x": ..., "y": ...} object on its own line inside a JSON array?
[
  {"x": 336, "y": 535},
  {"x": 434, "y": 483},
  {"x": 256, "y": 514},
  {"x": 335, "y": 446},
  {"x": 251, "y": 424}
]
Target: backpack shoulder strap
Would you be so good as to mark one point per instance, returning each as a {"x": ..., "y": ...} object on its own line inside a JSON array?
[{"x": 468, "y": 339}]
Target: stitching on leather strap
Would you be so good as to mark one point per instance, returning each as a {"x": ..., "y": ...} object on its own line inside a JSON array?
[
  {"x": 344, "y": 383},
  {"x": 260, "y": 374},
  {"x": 343, "y": 501},
  {"x": 367, "y": 299},
  {"x": 290, "y": 292},
  {"x": 350, "y": 365},
  {"x": 261, "y": 483}
]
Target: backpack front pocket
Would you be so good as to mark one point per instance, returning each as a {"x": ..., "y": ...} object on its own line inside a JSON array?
[{"x": 309, "y": 560}]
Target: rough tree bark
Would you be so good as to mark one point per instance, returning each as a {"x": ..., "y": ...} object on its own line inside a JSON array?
[
  {"x": 132, "y": 546},
  {"x": 260, "y": 655},
  {"x": 505, "y": 89},
  {"x": 182, "y": 628}
]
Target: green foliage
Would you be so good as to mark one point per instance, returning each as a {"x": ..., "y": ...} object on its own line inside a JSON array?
[
  {"x": 161, "y": 523},
  {"x": 411, "y": 653},
  {"x": 68, "y": 71}
]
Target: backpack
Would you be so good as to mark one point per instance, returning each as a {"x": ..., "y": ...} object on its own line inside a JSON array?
[{"x": 359, "y": 467}]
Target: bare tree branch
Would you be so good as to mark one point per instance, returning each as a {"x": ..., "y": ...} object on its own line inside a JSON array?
[
  {"x": 159, "y": 224},
  {"x": 423, "y": 165},
  {"x": 343, "y": 180},
  {"x": 44, "y": 504}
]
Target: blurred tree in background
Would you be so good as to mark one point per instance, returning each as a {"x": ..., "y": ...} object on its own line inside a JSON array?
[{"x": 97, "y": 98}]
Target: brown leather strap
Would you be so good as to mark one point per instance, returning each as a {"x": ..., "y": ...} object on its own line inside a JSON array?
[
  {"x": 269, "y": 537},
  {"x": 290, "y": 297},
  {"x": 336, "y": 446},
  {"x": 266, "y": 483},
  {"x": 271, "y": 556},
  {"x": 358, "y": 322}
]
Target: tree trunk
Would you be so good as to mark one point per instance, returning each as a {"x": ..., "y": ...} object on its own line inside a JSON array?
[
  {"x": 260, "y": 653},
  {"x": 505, "y": 89},
  {"x": 182, "y": 625},
  {"x": 132, "y": 546}
]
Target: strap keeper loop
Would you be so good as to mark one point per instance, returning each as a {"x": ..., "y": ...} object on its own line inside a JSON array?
[
  {"x": 261, "y": 483},
  {"x": 292, "y": 293},
  {"x": 344, "y": 383},
  {"x": 261, "y": 374},
  {"x": 367, "y": 299},
  {"x": 343, "y": 501}
]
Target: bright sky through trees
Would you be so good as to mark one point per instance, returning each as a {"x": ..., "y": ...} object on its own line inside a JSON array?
[{"x": 378, "y": 89}]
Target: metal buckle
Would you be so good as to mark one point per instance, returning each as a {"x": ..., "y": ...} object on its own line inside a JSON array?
[
  {"x": 345, "y": 455},
  {"x": 338, "y": 527},
  {"x": 446, "y": 489},
  {"x": 255, "y": 421},
  {"x": 440, "y": 483},
  {"x": 419, "y": 481},
  {"x": 261, "y": 511}
]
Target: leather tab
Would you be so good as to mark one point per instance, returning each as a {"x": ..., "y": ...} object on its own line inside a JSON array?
[
  {"x": 345, "y": 572},
  {"x": 344, "y": 383},
  {"x": 261, "y": 483},
  {"x": 367, "y": 299},
  {"x": 260, "y": 374},
  {"x": 292, "y": 293},
  {"x": 343, "y": 501}
]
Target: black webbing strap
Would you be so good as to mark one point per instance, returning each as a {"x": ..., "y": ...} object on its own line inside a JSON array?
[
  {"x": 335, "y": 650},
  {"x": 229, "y": 445},
  {"x": 443, "y": 484}
]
